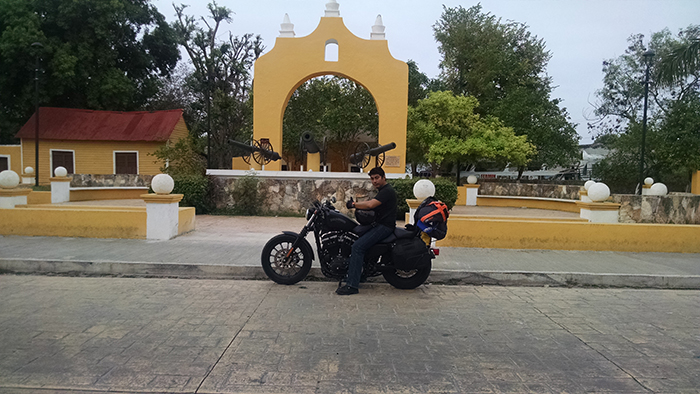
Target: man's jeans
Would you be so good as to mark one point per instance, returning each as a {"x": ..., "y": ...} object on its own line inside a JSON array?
[{"x": 360, "y": 247}]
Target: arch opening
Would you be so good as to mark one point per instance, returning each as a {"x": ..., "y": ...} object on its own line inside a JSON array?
[{"x": 337, "y": 111}]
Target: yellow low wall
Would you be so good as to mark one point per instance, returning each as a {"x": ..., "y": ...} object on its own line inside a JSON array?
[
  {"x": 107, "y": 193},
  {"x": 571, "y": 235},
  {"x": 39, "y": 198},
  {"x": 82, "y": 221},
  {"x": 528, "y": 202}
]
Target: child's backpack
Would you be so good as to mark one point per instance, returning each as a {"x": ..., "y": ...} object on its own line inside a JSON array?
[{"x": 431, "y": 217}]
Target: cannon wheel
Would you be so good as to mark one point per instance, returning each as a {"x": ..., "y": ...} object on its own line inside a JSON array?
[
  {"x": 380, "y": 160},
  {"x": 259, "y": 157},
  {"x": 246, "y": 158},
  {"x": 362, "y": 147}
]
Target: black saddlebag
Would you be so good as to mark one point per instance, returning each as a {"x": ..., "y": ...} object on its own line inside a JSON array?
[{"x": 410, "y": 253}]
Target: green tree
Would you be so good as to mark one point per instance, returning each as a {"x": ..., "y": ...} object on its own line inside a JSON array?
[
  {"x": 450, "y": 131},
  {"x": 683, "y": 60},
  {"x": 334, "y": 108},
  {"x": 418, "y": 84},
  {"x": 502, "y": 65},
  {"x": 673, "y": 135},
  {"x": 96, "y": 54},
  {"x": 221, "y": 78}
]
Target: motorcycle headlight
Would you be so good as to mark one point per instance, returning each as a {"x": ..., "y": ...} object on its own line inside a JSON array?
[{"x": 309, "y": 212}]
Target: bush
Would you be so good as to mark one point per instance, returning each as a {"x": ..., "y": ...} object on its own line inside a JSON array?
[
  {"x": 248, "y": 199},
  {"x": 195, "y": 189},
  {"x": 445, "y": 191}
]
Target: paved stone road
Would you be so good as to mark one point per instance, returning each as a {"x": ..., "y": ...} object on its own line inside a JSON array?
[{"x": 62, "y": 334}]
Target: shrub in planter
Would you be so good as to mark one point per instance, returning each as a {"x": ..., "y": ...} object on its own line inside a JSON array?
[{"x": 445, "y": 191}]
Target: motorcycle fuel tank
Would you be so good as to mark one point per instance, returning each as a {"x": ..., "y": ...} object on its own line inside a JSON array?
[{"x": 336, "y": 221}]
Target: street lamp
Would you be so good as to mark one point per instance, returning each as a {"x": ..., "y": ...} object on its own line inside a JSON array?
[
  {"x": 39, "y": 46},
  {"x": 647, "y": 59}
]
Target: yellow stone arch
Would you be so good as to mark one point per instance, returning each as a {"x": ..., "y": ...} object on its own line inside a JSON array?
[{"x": 294, "y": 60}]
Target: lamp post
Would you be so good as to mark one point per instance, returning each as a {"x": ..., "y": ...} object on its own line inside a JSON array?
[
  {"x": 647, "y": 59},
  {"x": 39, "y": 46}
]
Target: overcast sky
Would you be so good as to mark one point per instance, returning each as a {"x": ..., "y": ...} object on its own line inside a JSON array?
[{"x": 580, "y": 34}]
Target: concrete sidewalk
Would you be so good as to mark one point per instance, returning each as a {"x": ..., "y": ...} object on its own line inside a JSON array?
[{"x": 229, "y": 247}]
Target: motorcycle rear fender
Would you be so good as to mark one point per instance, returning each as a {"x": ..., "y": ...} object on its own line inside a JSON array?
[{"x": 303, "y": 243}]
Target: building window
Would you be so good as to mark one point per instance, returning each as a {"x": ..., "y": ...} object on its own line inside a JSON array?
[
  {"x": 126, "y": 162},
  {"x": 4, "y": 163},
  {"x": 62, "y": 158}
]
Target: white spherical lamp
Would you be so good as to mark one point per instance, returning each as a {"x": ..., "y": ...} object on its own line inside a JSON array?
[
  {"x": 599, "y": 192},
  {"x": 648, "y": 181},
  {"x": 588, "y": 184},
  {"x": 423, "y": 189},
  {"x": 8, "y": 179},
  {"x": 472, "y": 179},
  {"x": 162, "y": 184},
  {"x": 60, "y": 171},
  {"x": 29, "y": 170},
  {"x": 658, "y": 189}
]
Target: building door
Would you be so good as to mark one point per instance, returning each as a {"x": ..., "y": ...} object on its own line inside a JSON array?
[
  {"x": 62, "y": 158},
  {"x": 126, "y": 163},
  {"x": 4, "y": 163}
]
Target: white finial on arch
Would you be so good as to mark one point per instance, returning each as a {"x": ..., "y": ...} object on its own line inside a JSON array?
[
  {"x": 286, "y": 27},
  {"x": 378, "y": 29},
  {"x": 332, "y": 9}
]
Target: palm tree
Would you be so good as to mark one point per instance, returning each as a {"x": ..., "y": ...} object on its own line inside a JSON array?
[{"x": 683, "y": 60}]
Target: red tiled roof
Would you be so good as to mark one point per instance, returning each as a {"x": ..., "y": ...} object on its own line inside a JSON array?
[{"x": 88, "y": 125}]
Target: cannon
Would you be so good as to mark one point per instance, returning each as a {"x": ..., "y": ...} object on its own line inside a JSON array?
[
  {"x": 363, "y": 153},
  {"x": 308, "y": 143},
  {"x": 261, "y": 151}
]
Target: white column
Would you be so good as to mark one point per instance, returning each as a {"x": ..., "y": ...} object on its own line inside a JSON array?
[
  {"x": 472, "y": 194},
  {"x": 60, "y": 189},
  {"x": 162, "y": 216}
]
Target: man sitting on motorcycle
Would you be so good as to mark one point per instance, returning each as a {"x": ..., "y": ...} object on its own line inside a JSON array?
[{"x": 384, "y": 206}]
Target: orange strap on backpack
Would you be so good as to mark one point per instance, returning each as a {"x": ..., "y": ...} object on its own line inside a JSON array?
[{"x": 440, "y": 208}]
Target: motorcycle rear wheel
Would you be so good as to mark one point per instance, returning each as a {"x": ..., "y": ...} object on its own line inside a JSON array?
[
  {"x": 407, "y": 279},
  {"x": 274, "y": 254}
]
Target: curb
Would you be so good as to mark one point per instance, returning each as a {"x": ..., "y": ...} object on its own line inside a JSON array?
[{"x": 446, "y": 277}]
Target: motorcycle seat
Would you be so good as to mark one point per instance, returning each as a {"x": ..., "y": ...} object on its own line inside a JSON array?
[{"x": 399, "y": 233}]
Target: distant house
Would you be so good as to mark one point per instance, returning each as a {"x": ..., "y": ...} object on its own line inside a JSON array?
[{"x": 99, "y": 142}]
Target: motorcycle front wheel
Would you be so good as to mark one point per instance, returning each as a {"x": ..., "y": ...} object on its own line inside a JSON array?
[
  {"x": 279, "y": 268},
  {"x": 407, "y": 279}
]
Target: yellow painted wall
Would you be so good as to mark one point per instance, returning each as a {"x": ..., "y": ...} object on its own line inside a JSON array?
[
  {"x": 294, "y": 60},
  {"x": 186, "y": 220},
  {"x": 527, "y": 234},
  {"x": 516, "y": 202},
  {"x": 76, "y": 222},
  {"x": 695, "y": 183},
  {"x": 180, "y": 131},
  {"x": 87, "y": 221},
  {"x": 15, "y": 154},
  {"x": 39, "y": 198},
  {"x": 91, "y": 157}
]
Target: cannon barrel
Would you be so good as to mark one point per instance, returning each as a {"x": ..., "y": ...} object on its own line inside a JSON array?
[
  {"x": 274, "y": 156},
  {"x": 310, "y": 144},
  {"x": 357, "y": 157}
]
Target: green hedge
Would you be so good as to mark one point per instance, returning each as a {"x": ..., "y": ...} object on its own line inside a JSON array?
[
  {"x": 445, "y": 191},
  {"x": 195, "y": 189}
]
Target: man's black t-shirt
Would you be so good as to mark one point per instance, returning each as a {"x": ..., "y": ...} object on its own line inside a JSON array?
[{"x": 386, "y": 212}]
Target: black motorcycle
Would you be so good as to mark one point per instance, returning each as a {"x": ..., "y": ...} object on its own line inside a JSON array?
[{"x": 403, "y": 258}]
